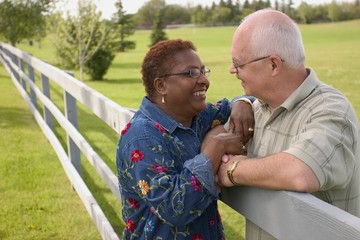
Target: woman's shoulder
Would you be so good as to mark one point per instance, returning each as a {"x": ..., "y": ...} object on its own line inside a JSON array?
[{"x": 142, "y": 127}]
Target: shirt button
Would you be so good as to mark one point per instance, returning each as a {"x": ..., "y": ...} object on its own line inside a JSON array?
[{"x": 267, "y": 127}]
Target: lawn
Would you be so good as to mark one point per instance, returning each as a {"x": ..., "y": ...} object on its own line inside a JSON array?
[{"x": 35, "y": 201}]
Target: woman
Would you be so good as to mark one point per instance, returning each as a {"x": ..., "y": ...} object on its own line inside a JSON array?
[{"x": 166, "y": 177}]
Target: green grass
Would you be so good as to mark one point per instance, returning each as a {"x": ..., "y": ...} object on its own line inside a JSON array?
[
  {"x": 36, "y": 198},
  {"x": 35, "y": 185}
]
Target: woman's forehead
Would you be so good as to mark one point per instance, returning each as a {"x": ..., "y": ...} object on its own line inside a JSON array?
[{"x": 186, "y": 58}]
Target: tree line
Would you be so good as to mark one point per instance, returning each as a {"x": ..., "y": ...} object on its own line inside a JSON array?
[
  {"x": 89, "y": 43},
  {"x": 232, "y": 11}
]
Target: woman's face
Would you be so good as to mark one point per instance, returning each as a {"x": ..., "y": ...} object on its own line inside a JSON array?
[{"x": 185, "y": 95}]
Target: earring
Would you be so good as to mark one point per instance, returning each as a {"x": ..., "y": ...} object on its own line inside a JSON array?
[{"x": 162, "y": 99}]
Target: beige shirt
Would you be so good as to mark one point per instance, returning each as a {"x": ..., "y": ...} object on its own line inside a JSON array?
[{"x": 318, "y": 125}]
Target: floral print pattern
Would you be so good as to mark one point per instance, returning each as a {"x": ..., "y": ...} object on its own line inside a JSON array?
[
  {"x": 133, "y": 203},
  {"x": 144, "y": 187},
  {"x": 130, "y": 225},
  {"x": 195, "y": 184},
  {"x": 215, "y": 123},
  {"x": 136, "y": 156},
  {"x": 197, "y": 237},
  {"x": 149, "y": 226},
  {"x": 167, "y": 185},
  {"x": 158, "y": 168},
  {"x": 161, "y": 128},
  {"x": 125, "y": 129}
]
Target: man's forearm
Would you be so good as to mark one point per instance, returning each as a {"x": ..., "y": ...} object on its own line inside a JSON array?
[{"x": 279, "y": 171}]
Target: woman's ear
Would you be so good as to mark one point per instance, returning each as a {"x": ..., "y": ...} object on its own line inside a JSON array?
[{"x": 160, "y": 86}]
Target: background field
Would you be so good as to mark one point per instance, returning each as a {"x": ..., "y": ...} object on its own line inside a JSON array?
[{"x": 36, "y": 199}]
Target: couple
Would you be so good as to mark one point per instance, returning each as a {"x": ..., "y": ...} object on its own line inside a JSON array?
[{"x": 304, "y": 138}]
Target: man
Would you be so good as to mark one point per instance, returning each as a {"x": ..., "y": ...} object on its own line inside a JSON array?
[{"x": 306, "y": 133}]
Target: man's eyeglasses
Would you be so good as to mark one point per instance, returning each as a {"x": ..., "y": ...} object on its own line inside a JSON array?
[
  {"x": 193, "y": 73},
  {"x": 252, "y": 61}
]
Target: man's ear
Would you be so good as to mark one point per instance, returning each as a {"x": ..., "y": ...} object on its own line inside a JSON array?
[
  {"x": 277, "y": 65},
  {"x": 160, "y": 86}
]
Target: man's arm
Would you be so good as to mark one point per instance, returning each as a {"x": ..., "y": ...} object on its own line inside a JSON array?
[{"x": 280, "y": 171}]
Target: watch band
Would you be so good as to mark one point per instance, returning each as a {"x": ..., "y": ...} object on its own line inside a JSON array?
[
  {"x": 231, "y": 170},
  {"x": 243, "y": 99}
]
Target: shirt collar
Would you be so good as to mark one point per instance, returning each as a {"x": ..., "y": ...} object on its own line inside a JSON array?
[
  {"x": 154, "y": 113},
  {"x": 304, "y": 90}
]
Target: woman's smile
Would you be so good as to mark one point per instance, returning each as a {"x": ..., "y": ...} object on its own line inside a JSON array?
[{"x": 201, "y": 93}]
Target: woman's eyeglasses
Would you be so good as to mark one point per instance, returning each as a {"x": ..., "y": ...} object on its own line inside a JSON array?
[{"x": 193, "y": 73}]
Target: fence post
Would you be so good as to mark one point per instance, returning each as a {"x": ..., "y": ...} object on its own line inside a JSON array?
[
  {"x": 32, "y": 92},
  {"x": 22, "y": 67},
  {"x": 46, "y": 90},
  {"x": 72, "y": 116},
  {"x": 15, "y": 60}
]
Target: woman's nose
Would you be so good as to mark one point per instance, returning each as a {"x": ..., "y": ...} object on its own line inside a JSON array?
[{"x": 203, "y": 79}]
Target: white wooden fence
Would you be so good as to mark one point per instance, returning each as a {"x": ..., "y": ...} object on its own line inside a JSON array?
[{"x": 285, "y": 215}]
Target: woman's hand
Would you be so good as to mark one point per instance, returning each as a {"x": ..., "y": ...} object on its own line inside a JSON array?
[{"x": 217, "y": 143}]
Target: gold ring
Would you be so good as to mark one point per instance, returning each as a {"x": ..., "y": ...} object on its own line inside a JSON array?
[{"x": 250, "y": 129}]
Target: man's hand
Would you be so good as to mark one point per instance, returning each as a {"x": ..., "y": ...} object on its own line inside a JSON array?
[
  {"x": 242, "y": 120},
  {"x": 222, "y": 176}
]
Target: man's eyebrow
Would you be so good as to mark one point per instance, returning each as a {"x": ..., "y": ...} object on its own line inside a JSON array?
[{"x": 233, "y": 60}]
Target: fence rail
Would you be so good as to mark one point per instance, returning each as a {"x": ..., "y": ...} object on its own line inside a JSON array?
[{"x": 285, "y": 215}]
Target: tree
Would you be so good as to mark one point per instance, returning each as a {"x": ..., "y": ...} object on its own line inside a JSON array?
[
  {"x": 221, "y": 15},
  {"x": 247, "y": 9},
  {"x": 80, "y": 36},
  {"x": 198, "y": 15},
  {"x": 357, "y": 9},
  {"x": 277, "y": 5},
  {"x": 158, "y": 33},
  {"x": 289, "y": 9},
  {"x": 147, "y": 13},
  {"x": 305, "y": 13},
  {"x": 236, "y": 12},
  {"x": 126, "y": 27},
  {"x": 336, "y": 12},
  {"x": 23, "y": 19},
  {"x": 176, "y": 14},
  {"x": 247, "y": 4},
  {"x": 99, "y": 63}
]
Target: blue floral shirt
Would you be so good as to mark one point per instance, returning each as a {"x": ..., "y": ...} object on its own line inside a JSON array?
[{"x": 167, "y": 185}]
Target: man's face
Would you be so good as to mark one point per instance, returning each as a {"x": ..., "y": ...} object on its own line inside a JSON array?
[{"x": 249, "y": 69}]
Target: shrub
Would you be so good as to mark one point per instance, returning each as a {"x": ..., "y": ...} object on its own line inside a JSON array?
[{"x": 99, "y": 63}]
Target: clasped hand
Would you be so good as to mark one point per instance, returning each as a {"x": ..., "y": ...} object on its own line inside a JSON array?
[{"x": 218, "y": 143}]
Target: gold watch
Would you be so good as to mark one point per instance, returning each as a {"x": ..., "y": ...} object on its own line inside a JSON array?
[{"x": 231, "y": 170}]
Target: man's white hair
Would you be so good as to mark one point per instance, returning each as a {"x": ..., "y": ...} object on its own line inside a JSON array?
[{"x": 279, "y": 36}]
